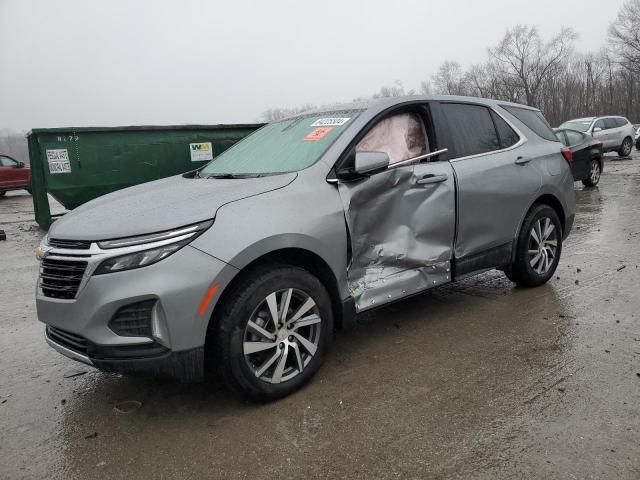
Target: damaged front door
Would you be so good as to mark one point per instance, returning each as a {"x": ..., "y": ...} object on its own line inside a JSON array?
[{"x": 401, "y": 220}]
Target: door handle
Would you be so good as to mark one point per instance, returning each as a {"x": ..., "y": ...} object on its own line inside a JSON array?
[
  {"x": 430, "y": 179},
  {"x": 522, "y": 160}
]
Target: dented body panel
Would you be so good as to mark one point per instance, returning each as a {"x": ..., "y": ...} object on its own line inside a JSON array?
[{"x": 401, "y": 232}]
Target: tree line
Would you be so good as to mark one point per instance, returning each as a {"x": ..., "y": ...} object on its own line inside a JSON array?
[{"x": 546, "y": 73}]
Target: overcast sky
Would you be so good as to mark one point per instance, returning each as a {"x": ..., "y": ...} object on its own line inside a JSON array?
[{"x": 117, "y": 62}]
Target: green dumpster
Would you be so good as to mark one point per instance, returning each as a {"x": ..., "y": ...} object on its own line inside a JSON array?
[{"x": 75, "y": 165}]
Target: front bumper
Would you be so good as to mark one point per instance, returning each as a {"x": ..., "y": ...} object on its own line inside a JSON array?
[{"x": 79, "y": 327}]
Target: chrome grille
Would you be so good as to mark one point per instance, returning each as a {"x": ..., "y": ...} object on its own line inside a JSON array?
[
  {"x": 67, "y": 339},
  {"x": 61, "y": 278}
]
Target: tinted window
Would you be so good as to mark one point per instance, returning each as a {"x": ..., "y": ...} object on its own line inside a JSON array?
[
  {"x": 574, "y": 138},
  {"x": 610, "y": 123},
  {"x": 507, "y": 135},
  {"x": 621, "y": 122},
  {"x": 471, "y": 129},
  {"x": 534, "y": 120}
]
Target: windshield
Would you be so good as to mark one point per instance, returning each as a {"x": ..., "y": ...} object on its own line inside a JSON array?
[
  {"x": 283, "y": 146},
  {"x": 580, "y": 125}
]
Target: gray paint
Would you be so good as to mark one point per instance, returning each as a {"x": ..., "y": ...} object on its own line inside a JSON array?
[
  {"x": 399, "y": 230},
  {"x": 404, "y": 233}
]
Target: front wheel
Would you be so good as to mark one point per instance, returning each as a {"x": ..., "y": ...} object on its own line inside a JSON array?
[
  {"x": 594, "y": 174},
  {"x": 272, "y": 331},
  {"x": 538, "y": 249},
  {"x": 625, "y": 148}
]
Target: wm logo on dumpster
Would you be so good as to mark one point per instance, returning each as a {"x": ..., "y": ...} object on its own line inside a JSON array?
[{"x": 201, "y": 152}]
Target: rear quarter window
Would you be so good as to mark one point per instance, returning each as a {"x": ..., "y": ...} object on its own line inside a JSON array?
[{"x": 534, "y": 120}]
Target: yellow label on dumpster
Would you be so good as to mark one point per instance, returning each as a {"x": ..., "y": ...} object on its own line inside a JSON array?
[{"x": 201, "y": 152}]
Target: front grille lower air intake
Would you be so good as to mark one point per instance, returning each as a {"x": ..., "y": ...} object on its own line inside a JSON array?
[{"x": 61, "y": 278}]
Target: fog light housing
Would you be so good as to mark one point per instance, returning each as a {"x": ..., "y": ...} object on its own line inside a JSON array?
[{"x": 133, "y": 320}]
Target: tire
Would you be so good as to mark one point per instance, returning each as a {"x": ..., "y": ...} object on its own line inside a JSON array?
[
  {"x": 521, "y": 271},
  {"x": 594, "y": 174},
  {"x": 638, "y": 144},
  {"x": 626, "y": 147},
  {"x": 248, "y": 303}
]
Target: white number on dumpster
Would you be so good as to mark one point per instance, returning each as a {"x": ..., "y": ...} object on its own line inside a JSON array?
[{"x": 58, "y": 161}]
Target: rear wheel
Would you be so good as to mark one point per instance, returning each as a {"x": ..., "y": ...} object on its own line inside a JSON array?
[
  {"x": 538, "y": 249},
  {"x": 594, "y": 174},
  {"x": 272, "y": 332},
  {"x": 625, "y": 148}
]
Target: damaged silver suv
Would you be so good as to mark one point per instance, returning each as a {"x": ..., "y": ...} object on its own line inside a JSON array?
[{"x": 245, "y": 266}]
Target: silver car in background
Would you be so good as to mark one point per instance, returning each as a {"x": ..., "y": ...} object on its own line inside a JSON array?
[
  {"x": 245, "y": 266},
  {"x": 615, "y": 133}
]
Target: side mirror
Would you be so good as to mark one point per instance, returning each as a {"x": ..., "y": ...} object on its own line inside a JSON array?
[
  {"x": 371, "y": 162},
  {"x": 597, "y": 129}
]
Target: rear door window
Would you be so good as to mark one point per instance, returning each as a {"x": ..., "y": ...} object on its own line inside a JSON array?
[
  {"x": 610, "y": 123},
  {"x": 507, "y": 135},
  {"x": 471, "y": 129},
  {"x": 534, "y": 120}
]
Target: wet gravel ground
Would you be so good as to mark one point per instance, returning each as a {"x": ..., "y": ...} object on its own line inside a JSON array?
[{"x": 474, "y": 380}]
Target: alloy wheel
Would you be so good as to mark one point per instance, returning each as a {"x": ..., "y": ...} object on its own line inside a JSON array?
[
  {"x": 282, "y": 335},
  {"x": 627, "y": 145},
  {"x": 594, "y": 172},
  {"x": 543, "y": 245}
]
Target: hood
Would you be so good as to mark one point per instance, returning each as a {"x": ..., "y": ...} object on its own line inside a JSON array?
[{"x": 160, "y": 205}]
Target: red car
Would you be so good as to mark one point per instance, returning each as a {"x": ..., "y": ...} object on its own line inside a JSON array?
[{"x": 13, "y": 175}]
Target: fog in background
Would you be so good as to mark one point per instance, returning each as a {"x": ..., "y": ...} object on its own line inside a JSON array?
[{"x": 88, "y": 63}]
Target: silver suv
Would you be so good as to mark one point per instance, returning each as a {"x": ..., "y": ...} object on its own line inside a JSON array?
[
  {"x": 245, "y": 266},
  {"x": 615, "y": 133}
]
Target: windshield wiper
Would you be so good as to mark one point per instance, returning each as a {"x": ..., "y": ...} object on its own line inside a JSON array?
[{"x": 234, "y": 175}]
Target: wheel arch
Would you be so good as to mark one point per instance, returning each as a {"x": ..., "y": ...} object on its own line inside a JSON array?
[
  {"x": 543, "y": 199},
  {"x": 290, "y": 256}
]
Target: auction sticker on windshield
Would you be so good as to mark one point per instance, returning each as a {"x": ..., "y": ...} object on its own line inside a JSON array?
[
  {"x": 58, "y": 160},
  {"x": 318, "y": 134},
  {"x": 330, "y": 122}
]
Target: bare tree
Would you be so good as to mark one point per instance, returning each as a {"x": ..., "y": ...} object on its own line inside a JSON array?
[
  {"x": 624, "y": 36},
  {"x": 522, "y": 56},
  {"x": 395, "y": 90},
  {"x": 449, "y": 80}
]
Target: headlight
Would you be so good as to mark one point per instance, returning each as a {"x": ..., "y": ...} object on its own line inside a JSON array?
[{"x": 147, "y": 249}]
